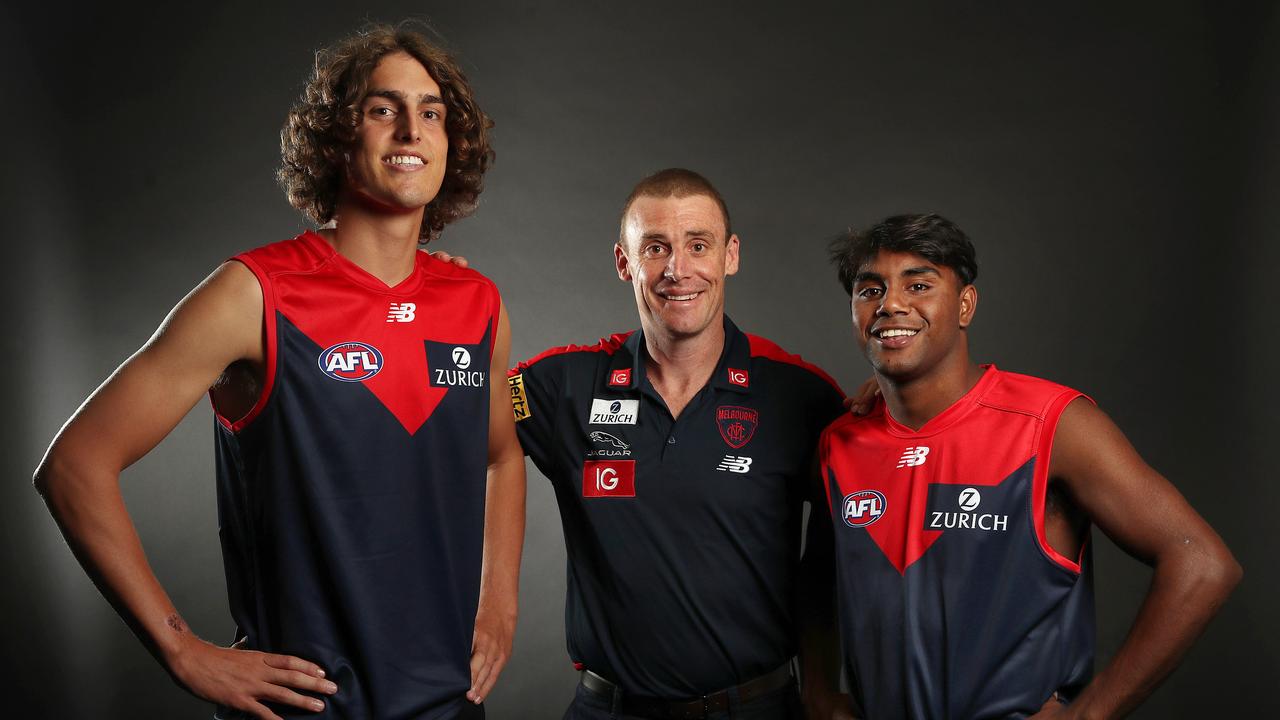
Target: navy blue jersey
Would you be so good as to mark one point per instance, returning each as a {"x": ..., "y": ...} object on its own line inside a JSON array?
[
  {"x": 952, "y": 603},
  {"x": 351, "y": 498},
  {"x": 682, "y": 534}
]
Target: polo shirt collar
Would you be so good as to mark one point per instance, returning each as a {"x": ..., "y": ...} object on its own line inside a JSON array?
[{"x": 732, "y": 373}]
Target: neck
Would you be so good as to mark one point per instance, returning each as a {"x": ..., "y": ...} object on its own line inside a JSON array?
[
  {"x": 915, "y": 401},
  {"x": 383, "y": 244},
  {"x": 680, "y": 363}
]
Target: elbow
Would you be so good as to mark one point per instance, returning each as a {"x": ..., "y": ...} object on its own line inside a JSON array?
[
  {"x": 1217, "y": 574},
  {"x": 54, "y": 478},
  {"x": 44, "y": 479}
]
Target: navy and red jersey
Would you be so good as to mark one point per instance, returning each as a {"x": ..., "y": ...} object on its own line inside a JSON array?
[
  {"x": 953, "y": 605},
  {"x": 682, "y": 533},
  {"x": 351, "y": 497}
]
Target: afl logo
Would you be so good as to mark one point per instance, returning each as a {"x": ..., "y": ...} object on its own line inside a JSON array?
[
  {"x": 350, "y": 361},
  {"x": 863, "y": 508}
]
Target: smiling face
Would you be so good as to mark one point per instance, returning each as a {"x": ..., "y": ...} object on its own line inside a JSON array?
[
  {"x": 396, "y": 162},
  {"x": 675, "y": 254},
  {"x": 909, "y": 315}
]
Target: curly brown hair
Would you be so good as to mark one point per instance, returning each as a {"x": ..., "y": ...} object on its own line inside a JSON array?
[{"x": 322, "y": 125}]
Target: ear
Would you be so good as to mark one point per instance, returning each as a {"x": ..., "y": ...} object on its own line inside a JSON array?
[
  {"x": 621, "y": 263},
  {"x": 731, "y": 255},
  {"x": 968, "y": 305}
]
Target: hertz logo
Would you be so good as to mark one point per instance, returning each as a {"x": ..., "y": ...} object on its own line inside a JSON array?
[{"x": 519, "y": 404}]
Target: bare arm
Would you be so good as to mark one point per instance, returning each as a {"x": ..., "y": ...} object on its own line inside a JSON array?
[
  {"x": 1147, "y": 517},
  {"x": 217, "y": 324},
  {"x": 503, "y": 529}
]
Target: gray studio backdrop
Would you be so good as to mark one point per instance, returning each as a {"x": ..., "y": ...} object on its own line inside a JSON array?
[{"x": 1116, "y": 166}]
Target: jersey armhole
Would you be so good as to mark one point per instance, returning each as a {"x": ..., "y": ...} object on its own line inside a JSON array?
[
  {"x": 1040, "y": 481},
  {"x": 827, "y": 478},
  {"x": 269, "y": 346}
]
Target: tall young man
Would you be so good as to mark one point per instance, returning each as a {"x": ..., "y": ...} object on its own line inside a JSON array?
[
  {"x": 370, "y": 485},
  {"x": 680, "y": 454},
  {"x": 962, "y": 506}
]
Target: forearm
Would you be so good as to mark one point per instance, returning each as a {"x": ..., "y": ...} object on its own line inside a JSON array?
[
  {"x": 90, "y": 511},
  {"x": 503, "y": 536},
  {"x": 1187, "y": 590}
]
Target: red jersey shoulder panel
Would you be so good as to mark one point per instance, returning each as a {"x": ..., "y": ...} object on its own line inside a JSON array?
[
  {"x": 293, "y": 255},
  {"x": 765, "y": 348},
  {"x": 1015, "y": 392},
  {"x": 607, "y": 345}
]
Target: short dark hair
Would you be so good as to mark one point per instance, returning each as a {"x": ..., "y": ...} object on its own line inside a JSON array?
[
  {"x": 673, "y": 182},
  {"x": 322, "y": 125},
  {"x": 932, "y": 237}
]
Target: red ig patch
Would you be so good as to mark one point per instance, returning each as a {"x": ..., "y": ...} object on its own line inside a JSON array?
[
  {"x": 620, "y": 378},
  {"x": 737, "y": 424},
  {"x": 738, "y": 377},
  {"x": 609, "y": 478}
]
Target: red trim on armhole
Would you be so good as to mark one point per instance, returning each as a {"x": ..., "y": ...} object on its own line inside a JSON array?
[
  {"x": 824, "y": 455},
  {"x": 1040, "y": 479},
  {"x": 269, "y": 337}
]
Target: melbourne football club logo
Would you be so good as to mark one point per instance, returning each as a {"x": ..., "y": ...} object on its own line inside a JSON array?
[
  {"x": 863, "y": 508},
  {"x": 350, "y": 361},
  {"x": 737, "y": 424}
]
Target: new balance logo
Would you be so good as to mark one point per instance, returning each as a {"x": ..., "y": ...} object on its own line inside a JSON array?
[
  {"x": 734, "y": 464},
  {"x": 913, "y": 456},
  {"x": 402, "y": 312}
]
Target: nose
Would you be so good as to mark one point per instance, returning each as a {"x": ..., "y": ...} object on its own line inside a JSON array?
[
  {"x": 893, "y": 302},
  {"x": 407, "y": 128},
  {"x": 677, "y": 264}
]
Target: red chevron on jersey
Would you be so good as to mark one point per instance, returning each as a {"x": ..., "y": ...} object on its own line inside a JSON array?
[
  {"x": 922, "y": 473},
  {"x": 411, "y": 364}
]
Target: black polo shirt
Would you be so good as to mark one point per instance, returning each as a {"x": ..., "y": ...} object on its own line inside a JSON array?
[{"x": 683, "y": 535}]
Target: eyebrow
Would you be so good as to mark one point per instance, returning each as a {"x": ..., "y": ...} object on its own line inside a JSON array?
[
  {"x": 696, "y": 233},
  {"x": 424, "y": 99},
  {"x": 868, "y": 276}
]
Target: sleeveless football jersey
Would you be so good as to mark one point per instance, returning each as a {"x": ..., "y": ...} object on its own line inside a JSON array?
[
  {"x": 351, "y": 497},
  {"x": 952, "y": 603}
]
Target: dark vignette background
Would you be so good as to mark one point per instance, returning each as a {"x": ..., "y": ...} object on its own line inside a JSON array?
[{"x": 1116, "y": 165}]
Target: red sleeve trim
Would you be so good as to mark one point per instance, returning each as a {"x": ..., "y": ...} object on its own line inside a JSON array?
[
  {"x": 824, "y": 455},
  {"x": 269, "y": 342},
  {"x": 1040, "y": 479},
  {"x": 762, "y": 347},
  {"x": 608, "y": 345}
]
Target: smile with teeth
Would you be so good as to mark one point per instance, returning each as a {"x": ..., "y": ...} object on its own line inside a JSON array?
[
  {"x": 668, "y": 296},
  {"x": 895, "y": 332},
  {"x": 403, "y": 160}
]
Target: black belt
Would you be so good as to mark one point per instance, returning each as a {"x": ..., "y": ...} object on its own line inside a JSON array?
[{"x": 690, "y": 709}]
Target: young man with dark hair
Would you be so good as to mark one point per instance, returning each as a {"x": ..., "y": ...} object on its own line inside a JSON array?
[
  {"x": 370, "y": 484},
  {"x": 681, "y": 454},
  {"x": 962, "y": 505}
]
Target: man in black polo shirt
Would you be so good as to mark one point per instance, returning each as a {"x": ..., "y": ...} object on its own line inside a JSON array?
[{"x": 681, "y": 455}]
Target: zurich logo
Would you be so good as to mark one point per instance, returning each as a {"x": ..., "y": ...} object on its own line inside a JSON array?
[
  {"x": 350, "y": 361},
  {"x": 615, "y": 407}
]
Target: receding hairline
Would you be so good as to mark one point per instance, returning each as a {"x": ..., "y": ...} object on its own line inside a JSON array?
[{"x": 677, "y": 194}]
